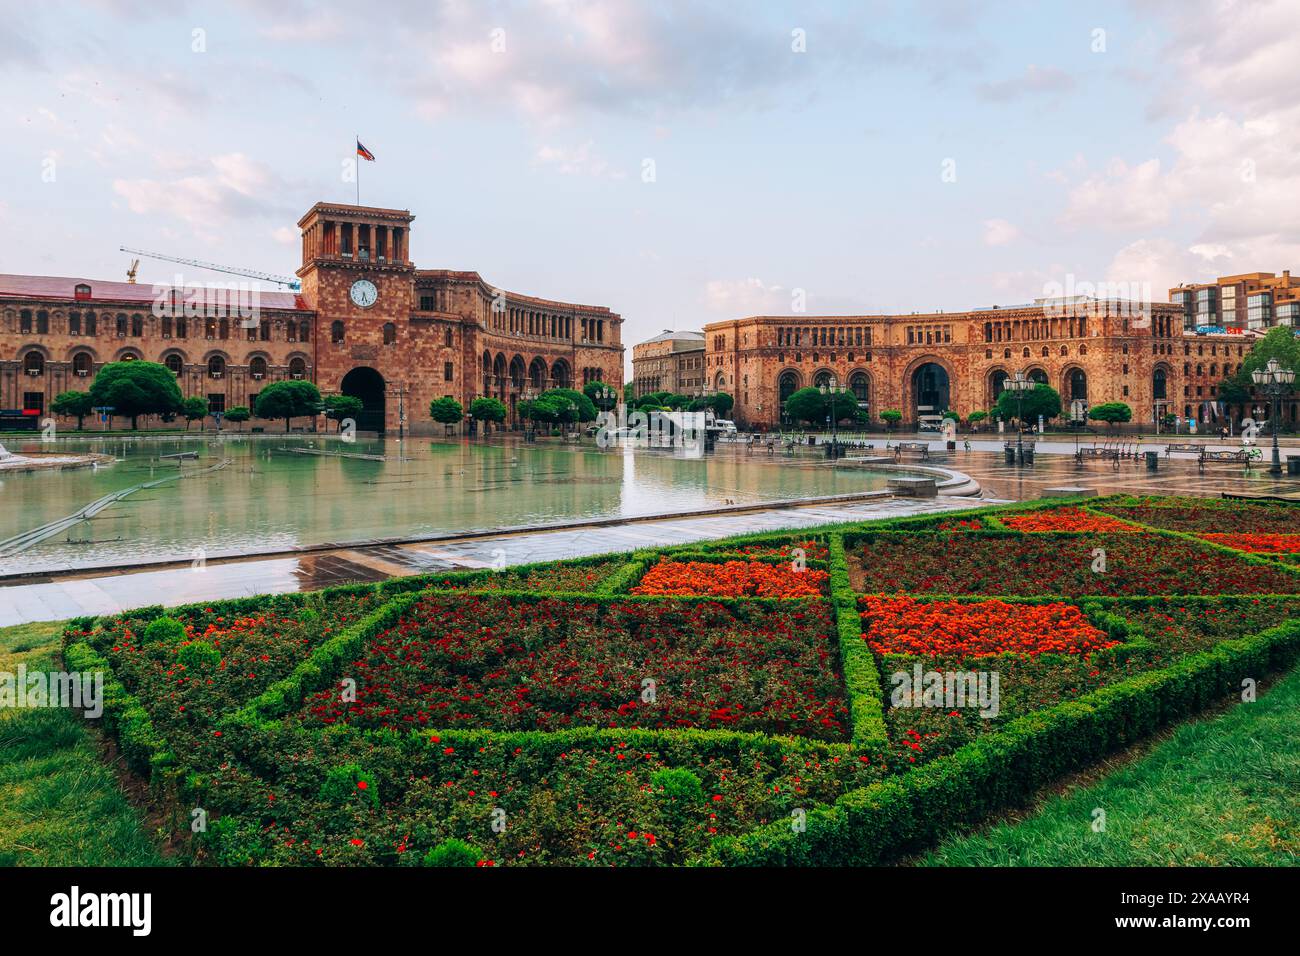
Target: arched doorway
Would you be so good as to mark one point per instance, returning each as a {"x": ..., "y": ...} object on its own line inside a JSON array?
[
  {"x": 930, "y": 391},
  {"x": 997, "y": 382},
  {"x": 366, "y": 384},
  {"x": 786, "y": 386},
  {"x": 1077, "y": 385}
]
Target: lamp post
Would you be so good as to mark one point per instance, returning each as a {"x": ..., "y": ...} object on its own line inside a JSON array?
[
  {"x": 1019, "y": 385},
  {"x": 833, "y": 389},
  {"x": 1274, "y": 381},
  {"x": 529, "y": 396}
]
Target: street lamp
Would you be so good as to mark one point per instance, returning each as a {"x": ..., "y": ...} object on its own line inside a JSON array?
[
  {"x": 1274, "y": 381},
  {"x": 1019, "y": 385},
  {"x": 833, "y": 389},
  {"x": 529, "y": 396}
]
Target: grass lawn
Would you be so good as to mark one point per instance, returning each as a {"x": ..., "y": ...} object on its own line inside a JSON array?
[
  {"x": 1218, "y": 792},
  {"x": 60, "y": 805}
]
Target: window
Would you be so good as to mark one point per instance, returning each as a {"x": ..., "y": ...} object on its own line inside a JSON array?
[
  {"x": 167, "y": 326},
  {"x": 81, "y": 291},
  {"x": 42, "y": 322},
  {"x": 448, "y": 371},
  {"x": 174, "y": 364},
  {"x": 81, "y": 363},
  {"x": 25, "y": 321},
  {"x": 257, "y": 367},
  {"x": 137, "y": 326},
  {"x": 449, "y": 339},
  {"x": 34, "y": 363},
  {"x": 390, "y": 333},
  {"x": 216, "y": 367},
  {"x": 216, "y": 402},
  {"x": 90, "y": 323},
  {"x": 34, "y": 402},
  {"x": 297, "y": 368},
  {"x": 74, "y": 323},
  {"x": 336, "y": 332},
  {"x": 426, "y": 303},
  {"x": 304, "y": 331}
]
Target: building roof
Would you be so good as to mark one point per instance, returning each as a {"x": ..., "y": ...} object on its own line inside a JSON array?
[
  {"x": 668, "y": 335},
  {"x": 102, "y": 290}
]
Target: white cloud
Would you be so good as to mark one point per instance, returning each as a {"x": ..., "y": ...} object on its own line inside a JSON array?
[
  {"x": 752, "y": 296},
  {"x": 227, "y": 187},
  {"x": 999, "y": 232},
  {"x": 578, "y": 161}
]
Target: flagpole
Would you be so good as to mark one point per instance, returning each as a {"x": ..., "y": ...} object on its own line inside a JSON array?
[{"x": 356, "y": 158}]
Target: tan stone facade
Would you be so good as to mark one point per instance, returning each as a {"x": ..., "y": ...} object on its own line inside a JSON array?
[
  {"x": 925, "y": 364},
  {"x": 669, "y": 362},
  {"x": 367, "y": 322}
]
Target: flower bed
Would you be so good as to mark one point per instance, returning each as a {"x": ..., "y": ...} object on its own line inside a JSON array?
[
  {"x": 731, "y": 579},
  {"x": 904, "y": 625},
  {"x": 487, "y": 662},
  {"x": 812, "y": 550},
  {"x": 578, "y": 578},
  {"x": 1209, "y": 515},
  {"x": 1257, "y": 543},
  {"x": 1066, "y": 519},
  {"x": 1046, "y": 564}
]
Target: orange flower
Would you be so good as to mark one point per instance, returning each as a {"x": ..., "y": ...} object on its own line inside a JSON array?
[
  {"x": 904, "y": 625},
  {"x": 1258, "y": 543},
  {"x": 1066, "y": 519},
  {"x": 731, "y": 579}
]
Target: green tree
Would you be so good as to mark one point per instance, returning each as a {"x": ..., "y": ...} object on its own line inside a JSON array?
[
  {"x": 239, "y": 414},
  {"x": 891, "y": 417},
  {"x": 583, "y": 410},
  {"x": 74, "y": 405},
  {"x": 446, "y": 410},
  {"x": 1039, "y": 400},
  {"x": 487, "y": 410},
  {"x": 136, "y": 388},
  {"x": 807, "y": 405},
  {"x": 339, "y": 407},
  {"x": 976, "y": 417},
  {"x": 720, "y": 402},
  {"x": 194, "y": 407},
  {"x": 1279, "y": 343},
  {"x": 629, "y": 393},
  {"x": 1112, "y": 413},
  {"x": 288, "y": 400}
]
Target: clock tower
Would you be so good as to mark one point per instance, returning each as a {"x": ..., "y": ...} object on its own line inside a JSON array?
[{"x": 357, "y": 275}]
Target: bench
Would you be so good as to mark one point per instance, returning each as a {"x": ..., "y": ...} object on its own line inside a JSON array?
[
  {"x": 1190, "y": 449},
  {"x": 1243, "y": 457},
  {"x": 912, "y": 447}
]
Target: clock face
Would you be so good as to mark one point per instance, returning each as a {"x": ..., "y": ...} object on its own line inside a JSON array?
[{"x": 364, "y": 293}]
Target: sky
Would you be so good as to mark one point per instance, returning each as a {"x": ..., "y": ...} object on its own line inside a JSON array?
[{"x": 679, "y": 161}]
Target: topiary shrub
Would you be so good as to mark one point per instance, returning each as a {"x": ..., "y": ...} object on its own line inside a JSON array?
[
  {"x": 452, "y": 852},
  {"x": 197, "y": 655},
  {"x": 679, "y": 786},
  {"x": 347, "y": 783},
  {"x": 164, "y": 630}
]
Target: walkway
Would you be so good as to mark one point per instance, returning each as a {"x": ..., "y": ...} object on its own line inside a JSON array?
[{"x": 99, "y": 593}]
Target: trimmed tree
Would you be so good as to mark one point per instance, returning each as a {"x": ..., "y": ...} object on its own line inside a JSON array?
[
  {"x": 487, "y": 410},
  {"x": 891, "y": 417},
  {"x": 339, "y": 407},
  {"x": 976, "y": 417},
  {"x": 136, "y": 388},
  {"x": 1112, "y": 413},
  {"x": 239, "y": 414},
  {"x": 446, "y": 410},
  {"x": 1040, "y": 400},
  {"x": 74, "y": 405},
  {"x": 288, "y": 400},
  {"x": 194, "y": 407},
  {"x": 584, "y": 409}
]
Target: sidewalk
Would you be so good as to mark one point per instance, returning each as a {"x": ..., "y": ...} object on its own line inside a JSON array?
[{"x": 99, "y": 593}]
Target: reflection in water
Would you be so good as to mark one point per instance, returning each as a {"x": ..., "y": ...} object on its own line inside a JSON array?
[{"x": 270, "y": 497}]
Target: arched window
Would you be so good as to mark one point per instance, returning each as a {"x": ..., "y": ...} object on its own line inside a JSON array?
[
  {"x": 1078, "y": 384},
  {"x": 81, "y": 363},
  {"x": 1006, "y": 353},
  {"x": 1044, "y": 352},
  {"x": 257, "y": 367},
  {"x": 297, "y": 368},
  {"x": 304, "y": 331},
  {"x": 42, "y": 322},
  {"x": 121, "y": 325},
  {"x": 34, "y": 363},
  {"x": 25, "y": 321},
  {"x": 336, "y": 332},
  {"x": 1024, "y": 353},
  {"x": 175, "y": 364},
  {"x": 787, "y": 385},
  {"x": 860, "y": 385},
  {"x": 821, "y": 378},
  {"x": 216, "y": 367},
  {"x": 137, "y": 325},
  {"x": 390, "y": 333},
  {"x": 449, "y": 339},
  {"x": 1158, "y": 384},
  {"x": 90, "y": 323}
]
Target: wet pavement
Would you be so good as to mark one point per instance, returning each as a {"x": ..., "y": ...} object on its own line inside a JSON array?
[{"x": 99, "y": 593}]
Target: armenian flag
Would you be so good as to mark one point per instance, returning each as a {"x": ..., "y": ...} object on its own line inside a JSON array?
[{"x": 364, "y": 153}]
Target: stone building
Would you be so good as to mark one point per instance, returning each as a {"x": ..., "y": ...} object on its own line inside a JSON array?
[
  {"x": 669, "y": 362},
  {"x": 366, "y": 323},
  {"x": 924, "y": 364}
]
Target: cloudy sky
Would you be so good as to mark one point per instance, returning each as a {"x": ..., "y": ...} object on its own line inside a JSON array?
[{"x": 680, "y": 162}]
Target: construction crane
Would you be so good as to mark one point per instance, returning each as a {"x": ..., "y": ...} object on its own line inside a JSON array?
[
  {"x": 130, "y": 273},
  {"x": 290, "y": 283}
]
